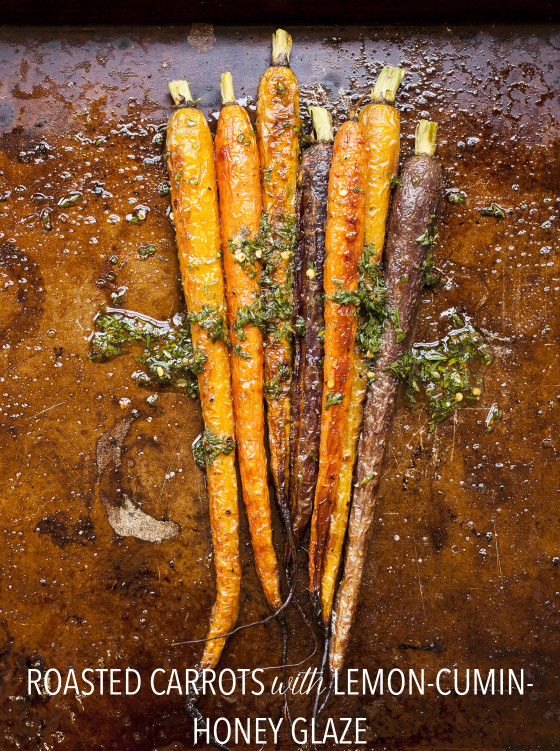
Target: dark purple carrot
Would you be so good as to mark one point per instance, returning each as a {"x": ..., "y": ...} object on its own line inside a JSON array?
[
  {"x": 414, "y": 207},
  {"x": 313, "y": 184}
]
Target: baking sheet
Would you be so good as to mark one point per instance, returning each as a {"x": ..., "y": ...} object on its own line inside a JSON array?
[{"x": 463, "y": 566}]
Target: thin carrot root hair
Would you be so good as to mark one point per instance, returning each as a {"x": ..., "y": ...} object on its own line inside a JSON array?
[{"x": 195, "y": 714}]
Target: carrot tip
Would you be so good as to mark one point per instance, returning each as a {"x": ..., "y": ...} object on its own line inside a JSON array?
[
  {"x": 281, "y": 47},
  {"x": 425, "y": 140},
  {"x": 322, "y": 124},
  {"x": 388, "y": 81},
  {"x": 226, "y": 89},
  {"x": 181, "y": 93}
]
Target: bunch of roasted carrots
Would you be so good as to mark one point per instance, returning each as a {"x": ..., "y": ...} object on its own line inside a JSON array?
[{"x": 286, "y": 254}]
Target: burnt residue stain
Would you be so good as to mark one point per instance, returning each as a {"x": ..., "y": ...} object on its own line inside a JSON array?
[
  {"x": 62, "y": 534},
  {"x": 464, "y": 547},
  {"x": 7, "y": 114},
  {"x": 23, "y": 288}
]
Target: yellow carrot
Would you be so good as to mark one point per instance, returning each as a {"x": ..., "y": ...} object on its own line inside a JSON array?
[{"x": 194, "y": 197}]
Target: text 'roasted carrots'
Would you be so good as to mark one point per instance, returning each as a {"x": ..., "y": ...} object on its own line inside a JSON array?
[{"x": 195, "y": 213}]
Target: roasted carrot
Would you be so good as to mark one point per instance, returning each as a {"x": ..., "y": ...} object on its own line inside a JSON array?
[
  {"x": 313, "y": 182},
  {"x": 237, "y": 168},
  {"x": 381, "y": 124},
  {"x": 382, "y": 127},
  {"x": 344, "y": 236},
  {"x": 412, "y": 216},
  {"x": 194, "y": 198},
  {"x": 278, "y": 128}
]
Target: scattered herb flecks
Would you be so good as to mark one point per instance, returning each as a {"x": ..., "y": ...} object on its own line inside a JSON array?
[
  {"x": 271, "y": 246},
  {"x": 274, "y": 388},
  {"x": 168, "y": 354},
  {"x": 333, "y": 397},
  {"x": 456, "y": 198},
  {"x": 211, "y": 320},
  {"x": 494, "y": 210},
  {"x": 208, "y": 446},
  {"x": 431, "y": 277},
  {"x": 64, "y": 203},
  {"x": 447, "y": 371},
  {"x": 145, "y": 251}
]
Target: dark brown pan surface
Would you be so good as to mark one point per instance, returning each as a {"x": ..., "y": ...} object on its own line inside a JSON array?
[{"x": 463, "y": 566}]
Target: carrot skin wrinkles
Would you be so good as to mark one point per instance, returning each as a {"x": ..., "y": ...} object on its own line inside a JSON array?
[
  {"x": 414, "y": 207},
  {"x": 237, "y": 167},
  {"x": 278, "y": 127},
  {"x": 195, "y": 209},
  {"x": 344, "y": 235},
  {"x": 308, "y": 369}
]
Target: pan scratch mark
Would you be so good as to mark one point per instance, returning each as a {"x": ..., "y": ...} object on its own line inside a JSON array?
[
  {"x": 499, "y": 563},
  {"x": 48, "y": 409},
  {"x": 418, "y": 572},
  {"x": 168, "y": 470},
  {"x": 454, "y": 435}
]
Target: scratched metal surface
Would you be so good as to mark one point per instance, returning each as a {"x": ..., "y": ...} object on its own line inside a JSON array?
[{"x": 462, "y": 568}]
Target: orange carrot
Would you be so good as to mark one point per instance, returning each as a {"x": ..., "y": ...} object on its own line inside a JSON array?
[
  {"x": 237, "y": 167},
  {"x": 278, "y": 127},
  {"x": 381, "y": 124},
  {"x": 344, "y": 236}
]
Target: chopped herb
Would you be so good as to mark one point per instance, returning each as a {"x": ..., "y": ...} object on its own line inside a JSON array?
[
  {"x": 393, "y": 180},
  {"x": 494, "y": 210},
  {"x": 248, "y": 315},
  {"x": 366, "y": 479},
  {"x": 333, "y": 398},
  {"x": 281, "y": 89},
  {"x": 494, "y": 415},
  {"x": 447, "y": 371},
  {"x": 237, "y": 350},
  {"x": 299, "y": 325},
  {"x": 118, "y": 296},
  {"x": 139, "y": 214},
  {"x": 69, "y": 201},
  {"x": 168, "y": 354},
  {"x": 164, "y": 189},
  {"x": 394, "y": 316},
  {"x": 456, "y": 198},
  {"x": 371, "y": 305},
  {"x": 274, "y": 388},
  {"x": 145, "y": 251},
  {"x": 208, "y": 446},
  {"x": 415, "y": 182},
  {"x": 244, "y": 139},
  {"x": 427, "y": 238},
  {"x": 212, "y": 321},
  {"x": 267, "y": 174}
]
